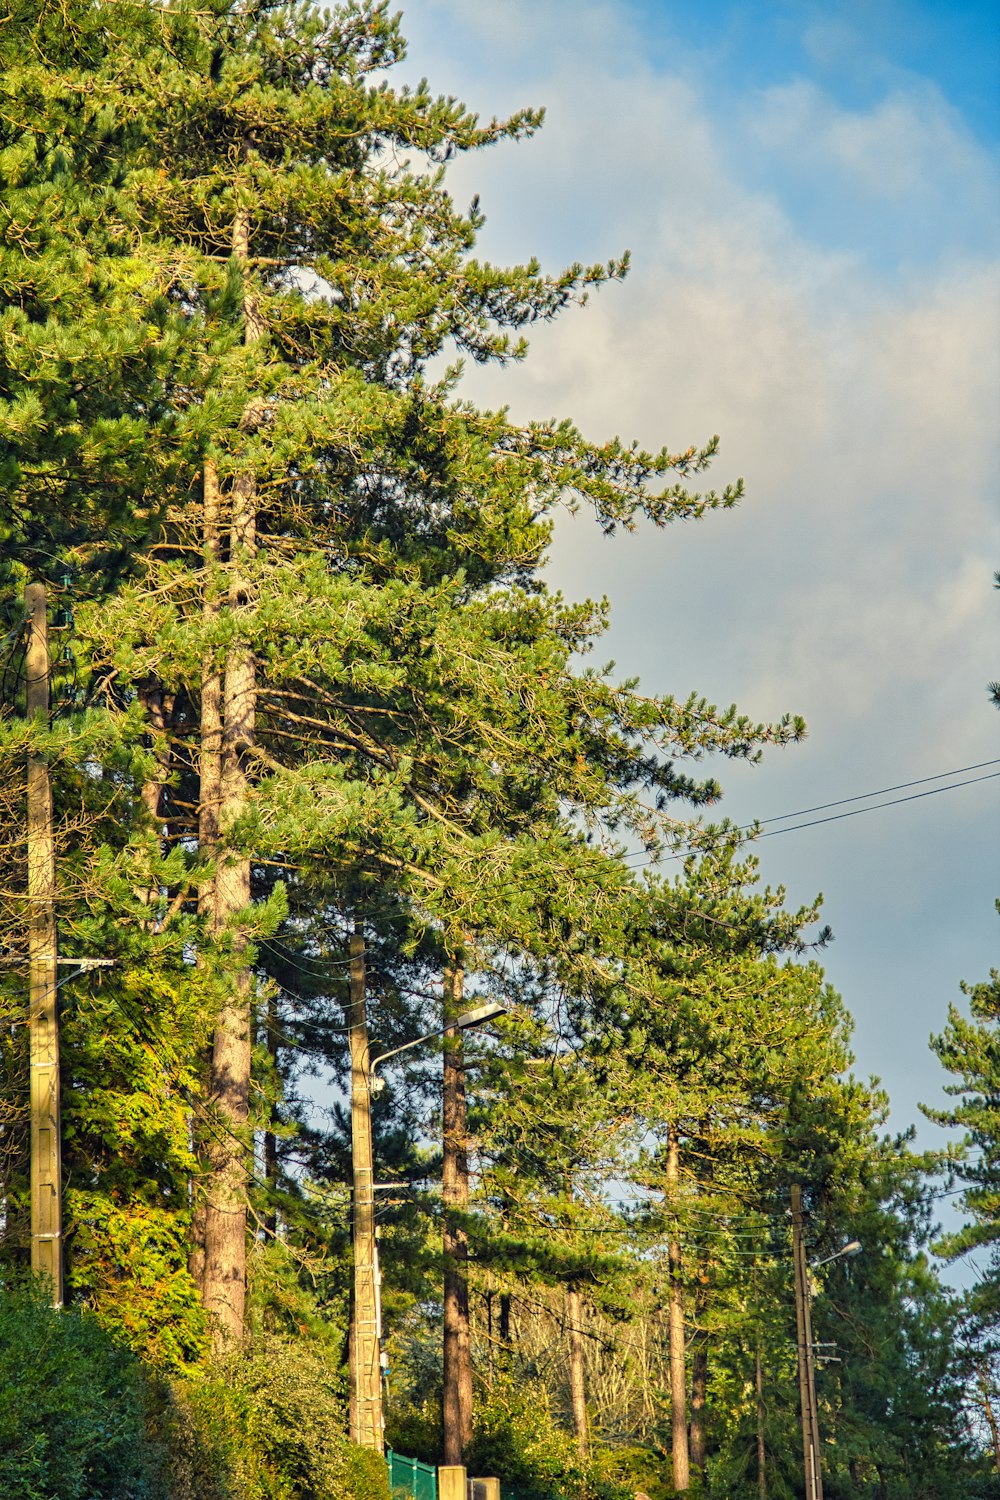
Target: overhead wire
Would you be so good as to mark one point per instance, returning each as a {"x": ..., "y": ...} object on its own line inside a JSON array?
[
  {"x": 638, "y": 861},
  {"x": 882, "y": 791}
]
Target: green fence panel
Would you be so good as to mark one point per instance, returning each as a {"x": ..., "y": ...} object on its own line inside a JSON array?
[{"x": 409, "y": 1477}]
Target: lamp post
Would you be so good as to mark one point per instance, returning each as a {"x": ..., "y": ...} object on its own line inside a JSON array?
[
  {"x": 366, "y": 1417},
  {"x": 803, "y": 1319}
]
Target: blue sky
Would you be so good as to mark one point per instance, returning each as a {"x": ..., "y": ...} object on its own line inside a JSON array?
[
  {"x": 811, "y": 194},
  {"x": 858, "y": 50}
]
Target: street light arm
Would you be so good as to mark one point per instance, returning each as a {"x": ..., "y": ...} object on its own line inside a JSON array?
[
  {"x": 477, "y": 1017},
  {"x": 87, "y": 965},
  {"x": 853, "y": 1247}
]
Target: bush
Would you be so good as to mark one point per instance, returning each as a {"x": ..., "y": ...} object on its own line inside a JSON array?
[
  {"x": 268, "y": 1424},
  {"x": 82, "y": 1418},
  {"x": 518, "y": 1440},
  {"x": 73, "y": 1407}
]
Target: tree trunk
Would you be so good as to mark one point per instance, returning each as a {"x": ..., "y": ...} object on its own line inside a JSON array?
[
  {"x": 679, "y": 1454},
  {"x": 224, "y": 1279},
  {"x": 43, "y": 1013},
  {"x": 699, "y": 1372},
  {"x": 505, "y": 1335},
  {"x": 209, "y": 804},
  {"x": 577, "y": 1389},
  {"x": 270, "y": 1137},
  {"x": 991, "y": 1416},
  {"x": 158, "y": 706},
  {"x": 490, "y": 1352},
  {"x": 457, "y": 1391},
  {"x": 761, "y": 1450}
]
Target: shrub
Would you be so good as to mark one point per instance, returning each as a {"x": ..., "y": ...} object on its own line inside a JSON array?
[
  {"x": 268, "y": 1424},
  {"x": 73, "y": 1407}
]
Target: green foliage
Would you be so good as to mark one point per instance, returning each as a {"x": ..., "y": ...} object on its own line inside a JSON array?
[
  {"x": 969, "y": 1048},
  {"x": 518, "y": 1440},
  {"x": 364, "y": 1475},
  {"x": 229, "y": 246},
  {"x": 73, "y": 1408},
  {"x": 266, "y": 1425}
]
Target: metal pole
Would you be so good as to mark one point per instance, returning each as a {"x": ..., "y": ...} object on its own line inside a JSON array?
[
  {"x": 807, "y": 1376},
  {"x": 366, "y": 1391},
  {"x": 43, "y": 1023}
]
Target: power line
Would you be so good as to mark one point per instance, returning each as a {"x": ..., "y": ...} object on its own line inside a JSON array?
[
  {"x": 639, "y": 861},
  {"x": 894, "y": 802},
  {"x": 883, "y": 791}
]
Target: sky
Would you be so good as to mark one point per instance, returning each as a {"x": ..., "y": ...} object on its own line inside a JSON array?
[{"x": 811, "y": 196}]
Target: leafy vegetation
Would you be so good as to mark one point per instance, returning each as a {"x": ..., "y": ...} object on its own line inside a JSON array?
[{"x": 309, "y": 685}]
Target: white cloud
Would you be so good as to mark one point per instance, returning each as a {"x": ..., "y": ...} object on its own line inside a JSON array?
[{"x": 814, "y": 283}]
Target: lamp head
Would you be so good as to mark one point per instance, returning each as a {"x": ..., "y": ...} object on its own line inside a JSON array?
[{"x": 478, "y": 1016}]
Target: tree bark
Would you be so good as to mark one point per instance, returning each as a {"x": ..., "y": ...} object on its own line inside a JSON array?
[
  {"x": 209, "y": 806},
  {"x": 457, "y": 1390},
  {"x": 224, "y": 1278},
  {"x": 991, "y": 1416},
  {"x": 43, "y": 1014},
  {"x": 270, "y": 1137},
  {"x": 577, "y": 1388},
  {"x": 679, "y": 1454},
  {"x": 505, "y": 1334},
  {"x": 761, "y": 1450},
  {"x": 699, "y": 1373},
  {"x": 158, "y": 705}
]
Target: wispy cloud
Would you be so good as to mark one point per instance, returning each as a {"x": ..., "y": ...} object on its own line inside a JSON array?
[{"x": 817, "y": 280}]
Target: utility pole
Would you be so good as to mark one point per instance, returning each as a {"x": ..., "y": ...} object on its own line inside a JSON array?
[
  {"x": 807, "y": 1375},
  {"x": 456, "y": 1392},
  {"x": 43, "y": 1023},
  {"x": 679, "y": 1451},
  {"x": 366, "y": 1421},
  {"x": 577, "y": 1386}
]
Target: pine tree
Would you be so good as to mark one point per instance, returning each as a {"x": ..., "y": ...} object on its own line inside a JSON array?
[
  {"x": 321, "y": 492},
  {"x": 969, "y": 1049}
]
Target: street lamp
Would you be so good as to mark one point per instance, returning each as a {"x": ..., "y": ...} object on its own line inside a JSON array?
[
  {"x": 803, "y": 1318},
  {"x": 852, "y": 1248},
  {"x": 366, "y": 1417},
  {"x": 476, "y": 1017}
]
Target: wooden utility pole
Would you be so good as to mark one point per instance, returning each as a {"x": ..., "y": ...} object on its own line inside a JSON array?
[
  {"x": 807, "y": 1374},
  {"x": 366, "y": 1422},
  {"x": 43, "y": 1021},
  {"x": 577, "y": 1387},
  {"x": 456, "y": 1403},
  {"x": 679, "y": 1452}
]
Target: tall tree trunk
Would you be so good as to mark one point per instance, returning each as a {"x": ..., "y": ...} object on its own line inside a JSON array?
[
  {"x": 577, "y": 1389},
  {"x": 270, "y": 1137},
  {"x": 761, "y": 1450},
  {"x": 159, "y": 707},
  {"x": 679, "y": 1454},
  {"x": 224, "y": 1278},
  {"x": 989, "y": 1412},
  {"x": 457, "y": 1391},
  {"x": 506, "y": 1344},
  {"x": 209, "y": 807},
  {"x": 699, "y": 1370},
  {"x": 490, "y": 1352}
]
